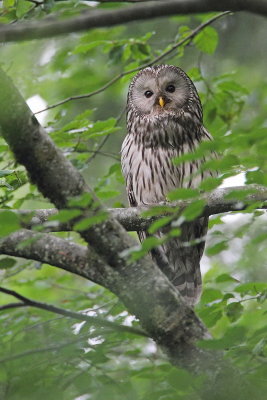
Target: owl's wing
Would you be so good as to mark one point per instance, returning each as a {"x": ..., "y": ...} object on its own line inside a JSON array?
[
  {"x": 133, "y": 203},
  {"x": 130, "y": 192}
]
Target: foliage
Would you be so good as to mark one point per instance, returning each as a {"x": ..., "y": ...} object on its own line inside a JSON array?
[{"x": 44, "y": 354}]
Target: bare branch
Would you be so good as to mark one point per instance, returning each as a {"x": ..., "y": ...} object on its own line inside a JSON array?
[
  {"x": 132, "y": 218},
  {"x": 56, "y": 347},
  {"x": 96, "y": 321},
  {"x": 185, "y": 41},
  {"x": 217, "y": 202},
  {"x": 12, "y": 305},
  {"x": 102, "y": 18}
]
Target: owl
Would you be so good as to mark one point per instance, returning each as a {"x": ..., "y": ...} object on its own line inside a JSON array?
[{"x": 164, "y": 121}]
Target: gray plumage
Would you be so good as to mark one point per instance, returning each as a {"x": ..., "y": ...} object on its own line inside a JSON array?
[{"x": 164, "y": 121}]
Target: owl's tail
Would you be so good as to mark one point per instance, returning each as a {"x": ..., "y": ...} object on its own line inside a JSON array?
[
  {"x": 188, "y": 281},
  {"x": 179, "y": 259},
  {"x": 182, "y": 268}
]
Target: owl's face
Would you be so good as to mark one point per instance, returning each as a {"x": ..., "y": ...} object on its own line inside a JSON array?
[{"x": 159, "y": 90}]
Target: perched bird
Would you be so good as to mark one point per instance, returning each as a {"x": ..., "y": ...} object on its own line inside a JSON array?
[{"x": 164, "y": 121}]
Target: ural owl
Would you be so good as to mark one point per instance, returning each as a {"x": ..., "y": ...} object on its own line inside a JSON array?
[{"x": 164, "y": 121}]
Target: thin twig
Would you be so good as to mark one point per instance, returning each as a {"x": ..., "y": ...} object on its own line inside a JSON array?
[
  {"x": 12, "y": 305},
  {"x": 104, "y": 141},
  {"x": 40, "y": 350},
  {"x": 188, "y": 39},
  {"x": 99, "y": 147},
  {"x": 71, "y": 314}
]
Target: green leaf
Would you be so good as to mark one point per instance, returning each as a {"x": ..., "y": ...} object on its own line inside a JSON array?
[
  {"x": 210, "y": 295},
  {"x": 86, "y": 223},
  {"x": 175, "y": 232},
  {"x": 258, "y": 177},
  {"x": 6, "y": 172},
  {"x": 140, "y": 251},
  {"x": 7, "y": 262},
  {"x": 233, "y": 336},
  {"x": 85, "y": 47},
  {"x": 233, "y": 86},
  {"x": 234, "y": 311},
  {"x": 9, "y": 222},
  {"x": 217, "y": 248},
  {"x": 215, "y": 221},
  {"x": 158, "y": 211},
  {"x": 65, "y": 215},
  {"x": 252, "y": 288},
  {"x": 210, "y": 184},
  {"x": 258, "y": 349},
  {"x": 160, "y": 223},
  {"x": 149, "y": 243},
  {"x": 259, "y": 238},
  {"x": 182, "y": 194},
  {"x": 211, "y": 314},
  {"x": 107, "y": 194},
  {"x": 83, "y": 201},
  {"x": 23, "y": 7},
  {"x": 194, "y": 210},
  {"x": 207, "y": 40},
  {"x": 9, "y": 3},
  {"x": 102, "y": 128},
  {"x": 195, "y": 74},
  {"x": 225, "y": 278}
]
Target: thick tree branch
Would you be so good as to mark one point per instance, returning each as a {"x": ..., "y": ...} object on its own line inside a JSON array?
[
  {"x": 58, "y": 252},
  {"x": 36, "y": 151},
  {"x": 103, "y": 18},
  {"x": 96, "y": 321},
  {"x": 50, "y": 249}
]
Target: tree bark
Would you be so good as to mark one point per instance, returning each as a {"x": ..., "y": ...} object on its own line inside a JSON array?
[{"x": 102, "y": 18}]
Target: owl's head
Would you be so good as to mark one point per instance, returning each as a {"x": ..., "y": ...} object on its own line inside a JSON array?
[{"x": 162, "y": 89}]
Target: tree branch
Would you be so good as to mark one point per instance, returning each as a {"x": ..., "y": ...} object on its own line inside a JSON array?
[
  {"x": 12, "y": 305},
  {"x": 56, "y": 347},
  {"x": 96, "y": 321},
  {"x": 219, "y": 201},
  {"x": 60, "y": 253},
  {"x": 103, "y": 18}
]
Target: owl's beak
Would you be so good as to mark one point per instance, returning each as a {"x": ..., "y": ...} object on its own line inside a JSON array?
[{"x": 161, "y": 101}]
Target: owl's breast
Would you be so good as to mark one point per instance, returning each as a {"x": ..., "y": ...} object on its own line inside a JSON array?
[
  {"x": 149, "y": 171},
  {"x": 148, "y": 152}
]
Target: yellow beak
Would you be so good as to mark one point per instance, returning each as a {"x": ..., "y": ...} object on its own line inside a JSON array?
[{"x": 161, "y": 102}]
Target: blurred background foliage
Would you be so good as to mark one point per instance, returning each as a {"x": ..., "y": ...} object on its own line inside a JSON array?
[{"x": 49, "y": 356}]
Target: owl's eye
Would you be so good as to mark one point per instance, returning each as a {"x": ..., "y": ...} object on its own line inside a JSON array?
[
  {"x": 170, "y": 88},
  {"x": 148, "y": 93}
]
